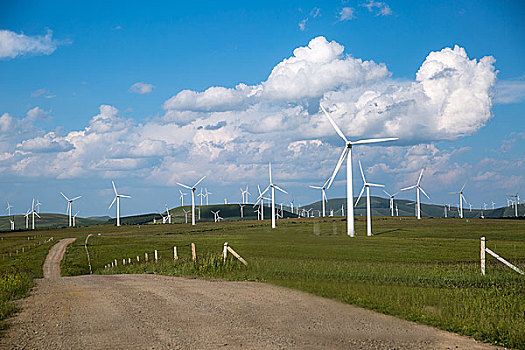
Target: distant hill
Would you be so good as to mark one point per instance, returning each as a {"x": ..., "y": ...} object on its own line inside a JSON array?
[
  {"x": 99, "y": 218},
  {"x": 381, "y": 206},
  {"x": 46, "y": 220}
]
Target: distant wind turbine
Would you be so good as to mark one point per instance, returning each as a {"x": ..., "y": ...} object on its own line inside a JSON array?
[
  {"x": 324, "y": 199},
  {"x": 193, "y": 197},
  {"x": 168, "y": 213},
  {"x": 11, "y": 220},
  {"x": 272, "y": 186},
  {"x": 70, "y": 207},
  {"x": 245, "y": 194},
  {"x": 33, "y": 212},
  {"x": 367, "y": 185},
  {"x": 74, "y": 218},
  {"x": 117, "y": 199},
  {"x": 418, "y": 188},
  {"x": 391, "y": 197},
  {"x": 347, "y": 152},
  {"x": 185, "y": 214},
  {"x": 182, "y": 194},
  {"x": 461, "y": 199}
]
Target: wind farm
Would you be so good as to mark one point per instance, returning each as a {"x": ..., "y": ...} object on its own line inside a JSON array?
[{"x": 262, "y": 175}]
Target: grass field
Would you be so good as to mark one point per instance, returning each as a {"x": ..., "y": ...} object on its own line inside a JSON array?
[{"x": 426, "y": 271}]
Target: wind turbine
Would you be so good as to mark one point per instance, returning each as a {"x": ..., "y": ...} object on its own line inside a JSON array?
[
  {"x": 206, "y": 194},
  {"x": 367, "y": 185},
  {"x": 37, "y": 205},
  {"x": 260, "y": 201},
  {"x": 69, "y": 207},
  {"x": 324, "y": 199},
  {"x": 245, "y": 194},
  {"x": 74, "y": 218},
  {"x": 27, "y": 218},
  {"x": 33, "y": 212},
  {"x": 445, "y": 209},
  {"x": 418, "y": 188},
  {"x": 117, "y": 198},
  {"x": 216, "y": 216},
  {"x": 242, "y": 210},
  {"x": 516, "y": 203},
  {"x": 193, "y": 197},
  {"x": 168, "y": 212},
  {"x": 182, "y": 198},
  {"x": 493, "y": 204},
  {"x": 391, "y": 196},
  {"x": 185, "y": 214},
  {"x": 11, "y": 220},
  {"x": 347, "y": 152},
  {"x": 461, "y": 199},
  {"x": 273, "y": 187}
]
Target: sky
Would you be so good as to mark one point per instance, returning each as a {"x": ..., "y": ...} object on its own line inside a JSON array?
[{"x": 149, "y": 95}]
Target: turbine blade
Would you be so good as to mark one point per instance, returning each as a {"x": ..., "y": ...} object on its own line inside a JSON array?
[
  {"x": 124, "y": 196},
  {"x": 339, "y": 162},
  {"x": 422, "y": 190},
  {"x": 362, "y": 174},
  {"x": 114, "y": 199},
  {"x": 375, "y": 185},
  {"x": 114, "y": 188},
  {"x": 280, "y": 189},
  {"x": 63, "y": 195},
  {"x": 384, "y": 139},
  {"x": 407, "y": 188},
  {"x": 270, "y": 171},
  {"x": 360, "y": 194},
  {"x": 388, "y": 194},
  {"x": 337, "y": 130},
  {"x": 316, "y": 187},
  {"x": 74, "y": 199},
  {"x": 188, "y": 187},
  {"x": 198, "y": 182},
  {"x": 419, "y": 178},
  {"x": 463, "y": 187}
]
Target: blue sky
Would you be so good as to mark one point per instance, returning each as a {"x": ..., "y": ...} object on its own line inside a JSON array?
[{"x": 72, "y": 121}]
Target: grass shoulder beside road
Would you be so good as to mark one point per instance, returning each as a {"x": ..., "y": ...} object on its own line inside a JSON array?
[{"x": 425, "y": 271}]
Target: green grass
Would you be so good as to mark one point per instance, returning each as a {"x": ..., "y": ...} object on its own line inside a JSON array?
[{"x": 425, "y": 271}]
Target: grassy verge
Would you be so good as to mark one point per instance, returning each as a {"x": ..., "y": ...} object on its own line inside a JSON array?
[{"x": 425, "y": 271}]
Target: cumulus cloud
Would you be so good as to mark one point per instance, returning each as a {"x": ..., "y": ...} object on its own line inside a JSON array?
[
  {"x": 346, "y": 13},
  {"x": 13, "y": 45},
  {"x": 232, "y": 132},
  {"x": 141, "y": 88}
]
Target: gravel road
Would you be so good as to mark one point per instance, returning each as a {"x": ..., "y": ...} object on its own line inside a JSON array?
[{"x": 160, "y": 312}]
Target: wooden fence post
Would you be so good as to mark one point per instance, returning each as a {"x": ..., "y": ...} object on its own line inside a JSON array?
[
  {"x": 116, "y": 263},
  {"x": 175, "y": 256},
  {"x": 225, "y": 252},
  {"x": 124, "y": 262},
  {"x": 138, "y": 259},
  {"x": 193, "y": 252},
  {"x": 234, "y": 253},
  {"x": 156, "y": 256},
  {"x": 146, "y": 257},
  {"x": 129, "y": 260},
  {"x": 482, "y": 255}
]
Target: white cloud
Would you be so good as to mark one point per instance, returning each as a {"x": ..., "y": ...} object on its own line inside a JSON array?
[
  {"x": 302, "y": 24},
  {"x": 141, "y": 88},
  {"x": 510, "y": 91},
  {"x": 48, "y": 143},
  {"x": 378, "y": 7},
  {"x": 346, "y": 13},
  {"x": 42, "y": 93},
  {"x": 13, "y": 44}
]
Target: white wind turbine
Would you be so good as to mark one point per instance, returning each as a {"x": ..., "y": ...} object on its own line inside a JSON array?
[
  {"x": 168, "y": 213},
  {"x": 418, "y": 188},
  {"x": 391, "y": 197},
  {"x": 516, "y": 202},
  {"x": 28, "y": 212},
  {"x": 117, "y": 199},
  {"x": 216, "y": 216},
  {"x": 33, "y": 212},
  {"x": 69, "y": 207},
  {"x": 273, "y": 187},
  {"x": 37, "y": 205},
  {"x": 367, "y": 185},
  {"x": 493, "y": 204},
  {"x": 182, "y": 198},
  {"x": 324, "y": 199},
  {"x": 74, "y": 218},
  {"x": 185, "y": 214},
  {"x": 242, "y": 210},
  {"x": 347, "y": 152},
  {"x": 207, "y": 194},
  {"x": 245, "y": 194},
  {"x": 193, "y": 197},
  {"x": 461, "y": 199},
  {"x": 11, "y": 220},
  {"x": 260, "y": 201}
]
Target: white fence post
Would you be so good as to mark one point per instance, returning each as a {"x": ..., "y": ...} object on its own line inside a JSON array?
[
  {"x": 193, "y": 252},
  {"x": 175, "y": 256},
  {"x": 482, "y": 256},
  {"x": 129, "y": 260},
  {"x": 156, "y": 256},
  {"x": 146, "y": 257},
  {"x": 225, "y": 251},
  {"x": 116, "y": 263},
  {"x": 138, "y": 259},
  {"x": 124, "y": 262}
]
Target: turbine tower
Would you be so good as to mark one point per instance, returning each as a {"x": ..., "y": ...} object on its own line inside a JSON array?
[
  {"x": 516, "y": 202},
  {"x": 367, "y": 185},
  {"x": 418, "y": 188},
  {"x": 347, "y": 152},
  {"x": 69, "y": 207},
  {"x": 117, "y": 199},
  {"x": 74, "y": 218},
  {"x": 273, "y": 187},
  {"x": 193, "y": 188},
  {"x": 33, "y": 212},
  {"x": 391, "y": 196},
  {"x": 260, "y": 201},
  {"x": 324, "y": 199},
  {"x": 461, "y": 199},
  {"x": 11, "y": 220}
]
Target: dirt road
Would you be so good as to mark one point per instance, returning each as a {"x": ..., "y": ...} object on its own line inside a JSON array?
[
  {"x": 159, "y": 312},
  {"x": 54, "y": 257}
]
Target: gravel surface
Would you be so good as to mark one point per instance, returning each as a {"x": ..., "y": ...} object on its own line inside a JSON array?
[{"x": 160, "y": 312}]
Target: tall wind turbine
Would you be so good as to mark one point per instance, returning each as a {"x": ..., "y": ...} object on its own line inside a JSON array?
[
  {"x": 367, "y": 185},
  {"x": 347, "y": 152},
  {"x": 202, "y": 196},
  {"x": 207, "y": 194},
  {"x": 11, "y": 220},
  {"x": 260, "y": 201},
  {"x": 74, "y": 218},
  {"x": 324, "y": 199},
  {"x": 117, "y": 198},
  {"x": 418, "y": 188},
  {"x": 245, "y": 194},
  {"x": 273, "y": 187},
  {"x": 461, "y": 199},
  {"x": 391, "y": 196},
  {"x": 33, "y": 212},
  {"x": 168, "y": 212},
  {"x": 193, "y": 188},
  {"x": 37, "y": 205},
  {"x": 516, "y": 203},
  {"x": 69, "y": 207}
]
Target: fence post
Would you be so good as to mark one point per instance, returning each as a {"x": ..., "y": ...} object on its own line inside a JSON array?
[
  {"x": 116, "y": 263},
  {"x": 193, "y": 252},
  {"x": 175, "y": 256},
  {"x": 482, "y": 255},
  {"x": 225, "y": 251},
  {"x": 129, "y": 260},
  {"x": 124, "y": 262},
  {"x": 138, "y": 259},
  {"x": 156, "y": 256}
]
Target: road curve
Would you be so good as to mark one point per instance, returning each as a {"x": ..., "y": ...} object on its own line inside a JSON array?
[
  {"x": 161, "y": 312},
  {"x": 54, "y": 257}
]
